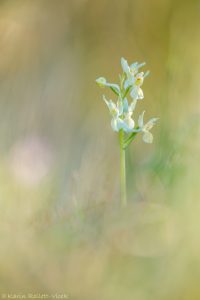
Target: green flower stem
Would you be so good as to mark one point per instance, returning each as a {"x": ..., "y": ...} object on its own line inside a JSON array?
[{"x": 122, "y": 169}]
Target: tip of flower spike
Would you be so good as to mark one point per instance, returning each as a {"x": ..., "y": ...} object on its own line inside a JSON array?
[
  {"x": 137, "y": 66},
  {"x": 124, "y": 64},
  {"x": 101, "y": 81},
  {"x": 141, "y": 65},
  {"x": 122, "y": 60}
]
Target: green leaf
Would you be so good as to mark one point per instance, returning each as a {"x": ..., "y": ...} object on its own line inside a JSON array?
[
  {"x": 129, "y": 139},
  {"x": 114, "y": 90},
  {"x": 126, "y": 91}
]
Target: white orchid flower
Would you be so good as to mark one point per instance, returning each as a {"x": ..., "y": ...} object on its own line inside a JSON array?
[
  {"x": 121, "y": 115},
  {"x": 116, "y": 111},
  {"x": 130, "y": 71},
  {"x": 128, "y": 122},
  {"x": 128, "y": 111},
  {"x": 134, "y": 79},
  {"x": 102, "y": 82},
  {"x": 137, "y": 93},
  {"x": 147, "y": 135}
]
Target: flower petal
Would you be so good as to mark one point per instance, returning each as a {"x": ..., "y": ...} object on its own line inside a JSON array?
[
  {"x": 139, "y": 79},
  {"x": 127, "y": 83},
  {"x": 141, "y": 120},
  {"x": 105, "y": 100},
  {"x": 120, "y": 106},
  {"x": 146, "y": 74},
  {"x": 128, "y": 124},
  {"x": 116, "y": 124},
  {"x": 112, "y": 107},
  {"x": 150, "y": 124},
  {"x": 148, "y": 137},
  {"x": 136, "y": 66},
  {"x": 141, "y": 65},
  {"x": 125, "y": 66},
  {"x": 101, "y": 81},
  {"x": 132, "y": 106},
  {"x": 140, "y": 94},
  {"x": 125, "y": 106},
  {"x": 136, "y": 93}
]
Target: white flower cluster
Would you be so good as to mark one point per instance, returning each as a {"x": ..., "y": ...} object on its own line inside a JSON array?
[{"x": 130, "y": 82}]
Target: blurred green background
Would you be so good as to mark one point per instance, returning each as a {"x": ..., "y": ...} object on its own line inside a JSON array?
[{"x": 61, "y": 229}]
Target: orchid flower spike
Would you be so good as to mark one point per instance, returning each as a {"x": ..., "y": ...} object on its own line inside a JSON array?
[{"x": 122, "y": 110}]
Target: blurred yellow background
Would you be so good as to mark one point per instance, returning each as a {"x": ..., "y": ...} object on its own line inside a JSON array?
[{"x": 61, "y": 230}]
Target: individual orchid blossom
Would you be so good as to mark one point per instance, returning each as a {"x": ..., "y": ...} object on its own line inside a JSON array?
[
  {"x": 145, "y": 128},
  {"x": 101, "y": 81},
  {"x": 121, "y": 115},
  {"x": 115, "y": 111},
  {"x": 134, "y": 79},
  {"x": 122, "y": 111},
  {"x": 130, "y": 71},
  {"x": 128, "y": 122}
]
